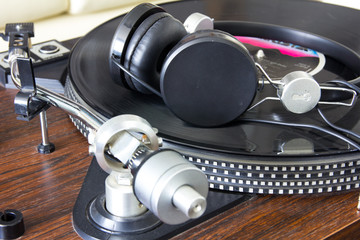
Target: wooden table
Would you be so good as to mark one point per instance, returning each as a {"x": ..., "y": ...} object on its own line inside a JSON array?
[{"x": 44, "y": 188}]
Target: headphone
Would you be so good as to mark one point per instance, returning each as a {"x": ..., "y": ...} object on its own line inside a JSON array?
[{"x": 206, "y": 78}]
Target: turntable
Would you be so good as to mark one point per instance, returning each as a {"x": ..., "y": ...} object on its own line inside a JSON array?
[{"x": 268, "y": 149}]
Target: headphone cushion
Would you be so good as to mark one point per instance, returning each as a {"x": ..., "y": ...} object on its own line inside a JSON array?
[
  {"x": 148, "y": 48},
  {"x": 122, "y": 36}
]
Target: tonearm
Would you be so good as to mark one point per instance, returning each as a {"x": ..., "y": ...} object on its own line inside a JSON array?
[{"x": 141, "y": 175}]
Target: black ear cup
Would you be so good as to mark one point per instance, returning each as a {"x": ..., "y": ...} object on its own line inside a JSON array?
[
  {"x": 148, "y": 47},
  {"x": 208, "y": 79},
  {"x": 122, "y": 37}
]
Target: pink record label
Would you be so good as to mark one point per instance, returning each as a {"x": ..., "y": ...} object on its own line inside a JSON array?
[{"x": 280, "y": 58}]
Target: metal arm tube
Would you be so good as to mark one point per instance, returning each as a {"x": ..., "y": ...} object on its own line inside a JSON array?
[{"x": 69, "y": 106}]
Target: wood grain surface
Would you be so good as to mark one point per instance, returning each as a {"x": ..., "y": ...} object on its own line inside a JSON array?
[{"x": 44, "y": 188}]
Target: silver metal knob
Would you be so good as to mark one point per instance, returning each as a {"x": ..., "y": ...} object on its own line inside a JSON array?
[
  {"x": 171, "y": 187},
  {"x": 189, "y": 201},
  {"x": 198, "y": 21},
  {"x": 299, "y": 92}
]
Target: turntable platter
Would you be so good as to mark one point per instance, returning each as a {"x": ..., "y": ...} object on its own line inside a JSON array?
[{"x": 254, "y": 148}]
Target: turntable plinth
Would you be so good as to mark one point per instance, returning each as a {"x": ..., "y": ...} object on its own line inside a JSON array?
[{"x": 44, "y": 188}]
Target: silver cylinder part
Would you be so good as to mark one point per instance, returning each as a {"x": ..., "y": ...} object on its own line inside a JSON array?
[
  {"x": 299, "y": 92},
  {"x": 189, "y": 201},
  {"x": 44, "y": 128},
  {"x": 120, "y": 199},
  {"x": 198, "y": 21},
  {"x": 108, "y": 133},
  {"x": 166, "y": 179}
]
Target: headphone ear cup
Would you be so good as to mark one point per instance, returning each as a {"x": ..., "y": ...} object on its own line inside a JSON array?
[
  {"x": 208, "y": 79},
  {"x": 148, "y": 48},
  {"x": 122, "y": 36}
]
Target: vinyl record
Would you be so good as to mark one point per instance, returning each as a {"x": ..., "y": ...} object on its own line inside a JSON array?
[{"x": 242, "y": 154}]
